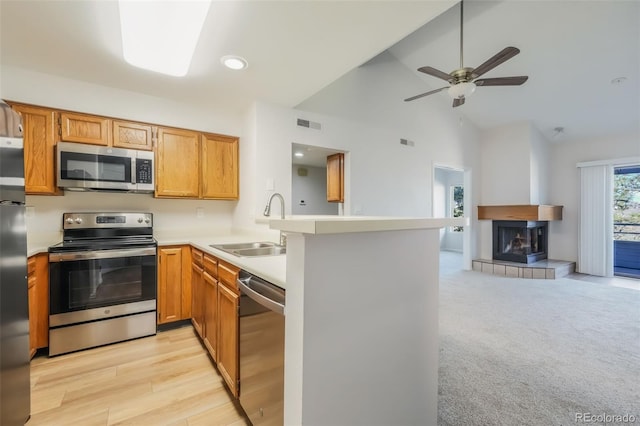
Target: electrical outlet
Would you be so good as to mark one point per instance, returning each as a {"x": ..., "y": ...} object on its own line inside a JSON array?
[{"x": 199, "y": 212}]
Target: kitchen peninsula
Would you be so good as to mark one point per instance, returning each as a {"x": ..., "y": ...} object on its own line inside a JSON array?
[{"x": 361, "y": 320}]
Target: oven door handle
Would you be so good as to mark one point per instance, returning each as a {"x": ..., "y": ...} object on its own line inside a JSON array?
[{"x": 100, "y": 254}]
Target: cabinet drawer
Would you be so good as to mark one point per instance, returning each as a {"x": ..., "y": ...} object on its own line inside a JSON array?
[
  {"x": 196, "y": 256},
  {"x": 211, "y": 266},
  {"x": 228, "y": 274}
]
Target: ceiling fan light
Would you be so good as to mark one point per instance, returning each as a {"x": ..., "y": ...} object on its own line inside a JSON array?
[{"x": 462, "y": 90}]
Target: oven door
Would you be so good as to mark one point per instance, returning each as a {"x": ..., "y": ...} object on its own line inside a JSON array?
[{"x": 83, "y": 283}]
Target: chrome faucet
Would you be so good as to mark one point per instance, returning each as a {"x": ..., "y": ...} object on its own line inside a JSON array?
[{"x": 267, "y": 212}]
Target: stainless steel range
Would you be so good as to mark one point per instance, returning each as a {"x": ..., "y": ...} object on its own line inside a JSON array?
[{"x": 102, "y": 281}]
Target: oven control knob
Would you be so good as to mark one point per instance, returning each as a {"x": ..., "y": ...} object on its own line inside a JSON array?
[
  {"x": 147, "y": 220},
  {"x": 78, "y": 220},
  {"x": 139, "y": 220},
  {"x": 70, "y": 221}
]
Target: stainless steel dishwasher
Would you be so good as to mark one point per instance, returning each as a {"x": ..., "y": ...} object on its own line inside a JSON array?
[{"x": 261, "y": 350}]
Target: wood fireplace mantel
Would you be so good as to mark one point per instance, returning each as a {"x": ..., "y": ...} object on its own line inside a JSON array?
[{"x": 520, "y": 212}]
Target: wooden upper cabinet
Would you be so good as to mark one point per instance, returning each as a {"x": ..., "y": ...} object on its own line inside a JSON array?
[
  {"x": 133, "y": 135},
  {"x": 335, "y": 178},
  {"x": 219, "y": 167},
  {"x": 177, "y": 163},
  {"x": 84, "y": 128},
  {"x": 39, "y": 129}
]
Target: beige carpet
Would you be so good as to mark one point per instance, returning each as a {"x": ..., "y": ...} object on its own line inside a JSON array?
[{"x": 536, "y": 352}]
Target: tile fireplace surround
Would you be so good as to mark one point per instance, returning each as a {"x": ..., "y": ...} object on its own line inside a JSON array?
[{"x": 544, "y": 269}]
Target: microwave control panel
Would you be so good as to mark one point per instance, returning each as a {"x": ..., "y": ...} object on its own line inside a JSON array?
[{"x": 144, "y": 171}]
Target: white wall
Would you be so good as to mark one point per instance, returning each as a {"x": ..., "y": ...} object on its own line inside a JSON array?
[
  {"x": 506, "y": 165},
  {"x": 31, "y": 87},
  {"x": 539, "y": 167},
  {"x": 312, "y": 189},
  {"x": 171, "y": 216},
  {"x": 565, "y": 184},
  {"x": 384, "y": 177}
]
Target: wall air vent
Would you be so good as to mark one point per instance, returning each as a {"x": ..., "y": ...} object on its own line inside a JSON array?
[
  {"x": 407, "y": 142},
  {"x": 309, "y": 124}
]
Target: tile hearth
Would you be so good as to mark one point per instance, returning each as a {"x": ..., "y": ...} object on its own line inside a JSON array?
[{"x": 544, "y": 269}]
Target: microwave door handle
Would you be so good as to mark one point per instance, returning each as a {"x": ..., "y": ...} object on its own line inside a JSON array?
[{"x": 133, "y": 170}]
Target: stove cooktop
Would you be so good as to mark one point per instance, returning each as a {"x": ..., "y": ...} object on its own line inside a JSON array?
[{"x": 102, "y": 244}]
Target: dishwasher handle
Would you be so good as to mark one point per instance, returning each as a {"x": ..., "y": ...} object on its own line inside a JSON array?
[{"x": 259, "y": 298}]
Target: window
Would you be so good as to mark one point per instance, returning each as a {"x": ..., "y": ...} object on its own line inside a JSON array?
[{"x": 456, "y": 204}]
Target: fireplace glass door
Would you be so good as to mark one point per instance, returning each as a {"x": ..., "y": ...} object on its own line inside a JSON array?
[{"x": 520, "y": 241}]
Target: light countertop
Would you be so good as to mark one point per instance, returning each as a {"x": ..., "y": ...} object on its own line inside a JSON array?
[
  {"x": 346, "y": 224},
  {"x": 270, "y": 268}
]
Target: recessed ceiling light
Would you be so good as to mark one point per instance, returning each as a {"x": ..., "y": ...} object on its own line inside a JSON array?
[
  {"x": 619, "y": 80},
  {"x": 299, "y": 154},
  {"x": 234, "y": 62},
  {"x": 147, "y": 44}
]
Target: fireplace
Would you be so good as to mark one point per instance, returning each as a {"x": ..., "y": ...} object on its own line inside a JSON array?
[{"x": 519, "y": 241}]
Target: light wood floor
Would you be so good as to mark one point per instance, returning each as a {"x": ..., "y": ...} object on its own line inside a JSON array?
[{"x": 167, "y": 379}]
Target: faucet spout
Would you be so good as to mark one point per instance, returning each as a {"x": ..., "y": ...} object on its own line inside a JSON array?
[
  {"x": 267, "y": 209},
  {"x": 267, "y": 212}
]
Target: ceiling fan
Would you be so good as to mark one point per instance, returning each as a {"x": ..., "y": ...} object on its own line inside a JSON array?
[{"x": 462, "y": 82}]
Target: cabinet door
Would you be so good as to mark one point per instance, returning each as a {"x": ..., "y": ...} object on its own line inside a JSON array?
[
  {"x": 335, "y": 178},
  {"x": 210, "y": 298},
  {"x": 197, "y": 301},
  {"x": 39, "y": 126},
  {"x": 42, "y": 300},
  {"x": 84, "y": 128},
  {"x": 132, "y": 135},
  {"x": 177, "y": 165},
  {"x": 170, "y": 276},
  {"x": 33, "y": 306},
  {"x": 228, "y": 336},
  {"x": 219, "y": 167}
]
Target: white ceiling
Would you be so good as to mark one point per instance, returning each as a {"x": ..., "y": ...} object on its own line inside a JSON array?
[
  {"x": 571, "y": 50},
  {"x": 294, "y": 48}
]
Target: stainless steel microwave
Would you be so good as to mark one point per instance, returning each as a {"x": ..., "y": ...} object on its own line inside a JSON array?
[{"x": 91, "y": 167}]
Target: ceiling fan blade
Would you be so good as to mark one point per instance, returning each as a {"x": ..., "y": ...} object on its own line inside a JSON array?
[
  {"x": 436, "y": 73},
  {"x": 502, "y": 81},
  {"x": 425, "y": 94},
  {"x": 458, "y": 102},
  {"x": 502, "y": 56}
]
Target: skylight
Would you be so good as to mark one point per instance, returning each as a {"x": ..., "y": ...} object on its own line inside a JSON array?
[{"x": 161, "y": 36}]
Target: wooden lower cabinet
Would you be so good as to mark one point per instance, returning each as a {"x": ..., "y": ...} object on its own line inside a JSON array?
[
  {"x": 174, "y": 284},
  {"x": 38, "y": 291},
  {"x": 215, "y": 312},
  {"x": 197, "y": 285},
  {"x": 228, "y": 336},
  {"x": 210, "y": 297}
]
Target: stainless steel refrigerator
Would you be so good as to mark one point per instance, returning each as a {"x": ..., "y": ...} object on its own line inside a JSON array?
[{"x": 15, "y": 399}]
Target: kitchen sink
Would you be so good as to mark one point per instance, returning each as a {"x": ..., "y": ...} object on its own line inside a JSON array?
[
  {"x": 262, "y": 248},
  {"x": 236, "y": 246}
]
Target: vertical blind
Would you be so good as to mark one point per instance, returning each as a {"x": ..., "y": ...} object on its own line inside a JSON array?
[{"x": 595, "y": 250}]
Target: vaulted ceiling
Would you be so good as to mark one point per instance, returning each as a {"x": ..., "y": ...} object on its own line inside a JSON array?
[{"x": 571, "y": 51}]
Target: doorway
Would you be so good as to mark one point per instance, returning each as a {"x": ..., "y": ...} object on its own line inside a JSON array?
[
  {"x": 626, "y": 221},
  {"x": 451, "y": 197},
  {"x": 309, "y": 181}
]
